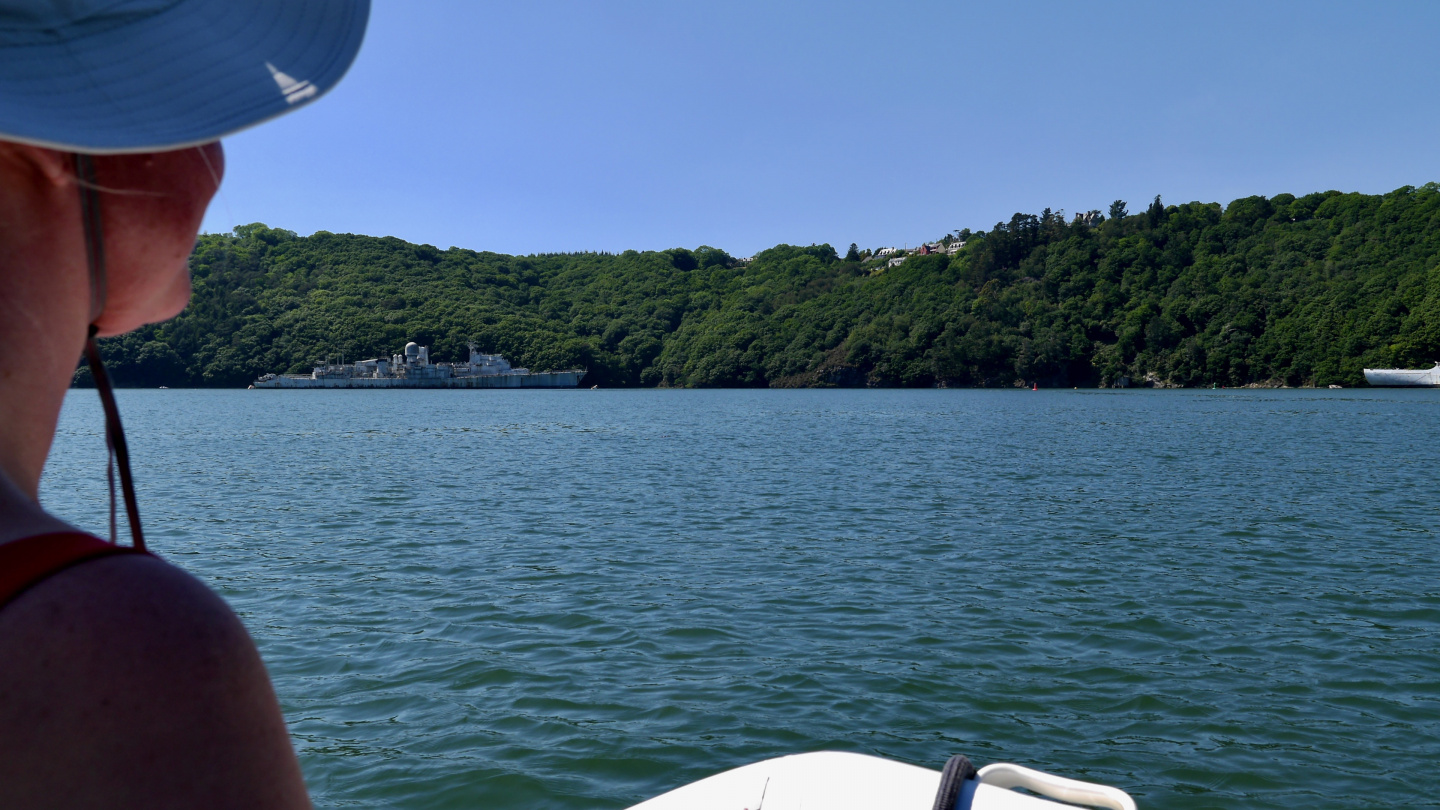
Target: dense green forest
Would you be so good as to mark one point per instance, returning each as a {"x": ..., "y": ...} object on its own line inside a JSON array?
[{"x": 1285, "y": 290}]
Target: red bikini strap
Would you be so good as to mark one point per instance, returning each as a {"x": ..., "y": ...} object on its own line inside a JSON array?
[{"x": 28, "y": 561}]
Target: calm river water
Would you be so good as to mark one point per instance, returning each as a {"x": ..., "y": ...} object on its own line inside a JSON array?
[{"x": 579, "y": 599}]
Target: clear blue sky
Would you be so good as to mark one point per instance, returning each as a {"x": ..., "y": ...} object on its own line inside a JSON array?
[{"x": 559, "y": 126}]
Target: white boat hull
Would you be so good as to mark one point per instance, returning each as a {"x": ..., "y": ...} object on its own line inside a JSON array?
[
  {"x": 832, "y": 780},
  {"x": 1403, "y": 377}
]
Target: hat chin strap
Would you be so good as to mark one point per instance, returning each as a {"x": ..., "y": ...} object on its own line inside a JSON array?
[{"x": 117, "y": 452}]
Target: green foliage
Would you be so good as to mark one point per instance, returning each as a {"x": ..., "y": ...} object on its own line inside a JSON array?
[
  {"x": 1155, "y": 214},
  {"x": 1305, "y": 290}
]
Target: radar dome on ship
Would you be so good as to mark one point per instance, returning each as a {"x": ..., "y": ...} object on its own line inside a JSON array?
[{"x": 412, "y": 349}]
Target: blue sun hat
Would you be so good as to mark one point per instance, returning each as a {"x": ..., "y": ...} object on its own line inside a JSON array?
[{"x": 118, "y": 76}]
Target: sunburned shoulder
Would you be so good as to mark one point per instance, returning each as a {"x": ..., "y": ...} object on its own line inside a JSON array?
[{"x": 125, "y": 682}]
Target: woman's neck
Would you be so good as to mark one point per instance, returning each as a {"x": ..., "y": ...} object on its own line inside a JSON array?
[
  {"x": 32, "y": 391},
  {"x": 35, "y": 372},
  {"x": 44, "y": 309}
]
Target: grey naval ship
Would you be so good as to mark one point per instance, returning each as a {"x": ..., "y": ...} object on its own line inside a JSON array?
[{"x": 413, "y": 369}]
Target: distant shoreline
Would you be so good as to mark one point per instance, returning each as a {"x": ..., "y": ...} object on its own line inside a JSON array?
[{"x": 1265, "y": 292}]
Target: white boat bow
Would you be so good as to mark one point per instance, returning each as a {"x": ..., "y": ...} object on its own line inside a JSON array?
[
  {"x": 833, "y": 780},
  {"x": 1403, "y": 377}
]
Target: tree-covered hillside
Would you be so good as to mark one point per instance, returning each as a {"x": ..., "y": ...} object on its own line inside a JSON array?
[{"x": 1300, "y": 291}]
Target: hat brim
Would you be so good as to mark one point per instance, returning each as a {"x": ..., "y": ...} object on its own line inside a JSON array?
[{"x": 189, "y": 74}]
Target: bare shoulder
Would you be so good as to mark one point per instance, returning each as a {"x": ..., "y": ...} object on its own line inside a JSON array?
[{"x": 125, "y": 682}]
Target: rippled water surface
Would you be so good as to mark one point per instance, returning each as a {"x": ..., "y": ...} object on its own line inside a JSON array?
[{"x": 579, "y": 599}]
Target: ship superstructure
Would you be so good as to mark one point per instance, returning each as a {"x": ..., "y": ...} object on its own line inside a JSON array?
[{"x": 412, "y": 369}]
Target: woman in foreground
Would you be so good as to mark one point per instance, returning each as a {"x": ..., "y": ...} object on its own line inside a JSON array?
[{"x": 125, "y": 682}]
